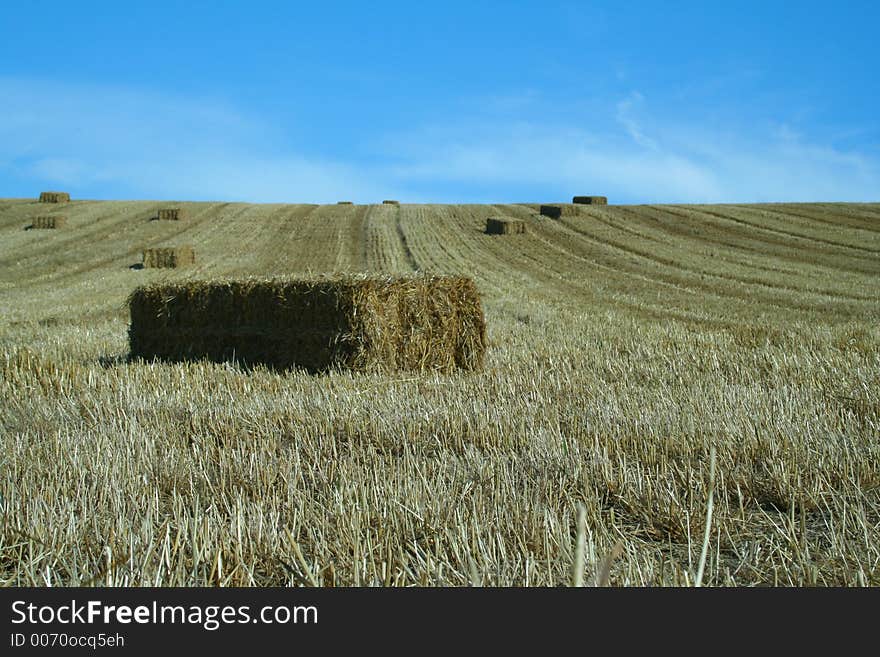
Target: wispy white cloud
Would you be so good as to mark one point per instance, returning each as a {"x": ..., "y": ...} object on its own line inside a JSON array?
[
  {"x": 138, "y": 144},
  {"x": 676, "y": 163},
  {"x": 564, "y": 164},
  {"x": 158, "y": 146},
  {"x": 65, "y": 170},
  {"x": 625, "y": 109}
]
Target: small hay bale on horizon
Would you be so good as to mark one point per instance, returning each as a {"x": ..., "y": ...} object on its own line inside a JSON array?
[
  {"x": 169, "y": 257},
  {"x": 505, "y": 226},
  {"x": 54, "y": 197},
  {"x": 358, "y": 323},
  {"x": 49, "y": 221},
  {"x": 171, "y": 214},
  {"x": 560, "y": 210},
  {"x": 590, "y": 200},
  {"x": 391, "y": 202}
]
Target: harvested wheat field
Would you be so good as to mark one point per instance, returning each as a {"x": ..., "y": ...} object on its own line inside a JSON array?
[{"x": 625, "y": 348}]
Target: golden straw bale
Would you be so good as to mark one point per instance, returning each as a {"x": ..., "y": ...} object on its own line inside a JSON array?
[{"x": 353, "y": 322}]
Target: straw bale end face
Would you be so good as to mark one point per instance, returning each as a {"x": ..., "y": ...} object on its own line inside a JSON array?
[
  {"x": 504, "y": 226},
  {"x": 356, "y": 323},
  {"x": 171, "y": 214},
  {"x": 590, "y": 200},
  {"x": 54, "y": 197},
  {"x": 169, "y": 257},
  {"x": 49, "y": 221}
]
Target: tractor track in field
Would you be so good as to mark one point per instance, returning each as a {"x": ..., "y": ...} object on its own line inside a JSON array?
[
  {"x": 773, "y": 246},
  {"x": 262, "y": 244},
  {"x": 125, "y": 243},
  {"x": 410, "y": 260},
  {"x": 679, "y": 292},
  {"x": 383, "y": 248},
  {"x": 81, "y": 227},
  {"x": 849, "y": 216},
  {"x": 779, "y": 231},
  {"x": 868, "y": 233},
  {"x": 675, "y": 265},
  {"x": 559, "y": 261},
  {"x": 794, "y": 218},
  {"x": 699, "y": 237}
]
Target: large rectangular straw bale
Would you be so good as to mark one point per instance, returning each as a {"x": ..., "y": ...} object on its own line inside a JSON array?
[
  {"x": 358, "y": 323},
  {"x": 171, "y": 214},
  {"x": 54, "y": 197},
  {"x": 175, "y": 256},
  {"x": 590, "y": 200},
  {"x": 504, "y": 226},
  {"x": 560, "y": 210},
  {"x": 48, "y": 221}
]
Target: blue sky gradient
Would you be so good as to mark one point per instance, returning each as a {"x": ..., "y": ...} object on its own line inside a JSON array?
[{"x": 647, "y": 102}]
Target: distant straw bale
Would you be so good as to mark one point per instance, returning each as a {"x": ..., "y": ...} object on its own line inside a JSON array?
[
  {"x": 560, "y": 210},
  {"x": 169, "y": 257},
  {"x": 354, "y": 322},
  {"x": 391, "y": 202},
  {"x": 590, "y": 200},
  {"x": 48, "y": 221},
  {"x": 171, "y": 214},
  {"x": 504, "y": 226},
  {"x": 54, "y": 197}
]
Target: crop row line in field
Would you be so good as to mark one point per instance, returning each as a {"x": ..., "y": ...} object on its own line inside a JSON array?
[
  {"x": 382, "y": 248},
  {"x": 777, "y": 245},
  {"x": 677, "y": 265},
  {"x": 780, "y": 231}
]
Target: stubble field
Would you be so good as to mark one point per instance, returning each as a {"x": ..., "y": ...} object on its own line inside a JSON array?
[{"x": 627, "y": 345}]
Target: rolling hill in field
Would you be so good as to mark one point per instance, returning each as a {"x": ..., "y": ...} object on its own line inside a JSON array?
[
  {"x": 708, "y": 264},
  {"x": 630, "y": 347}
]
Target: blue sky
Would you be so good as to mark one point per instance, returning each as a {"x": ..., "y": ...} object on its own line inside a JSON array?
[{"x": 646, "y": 102}]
